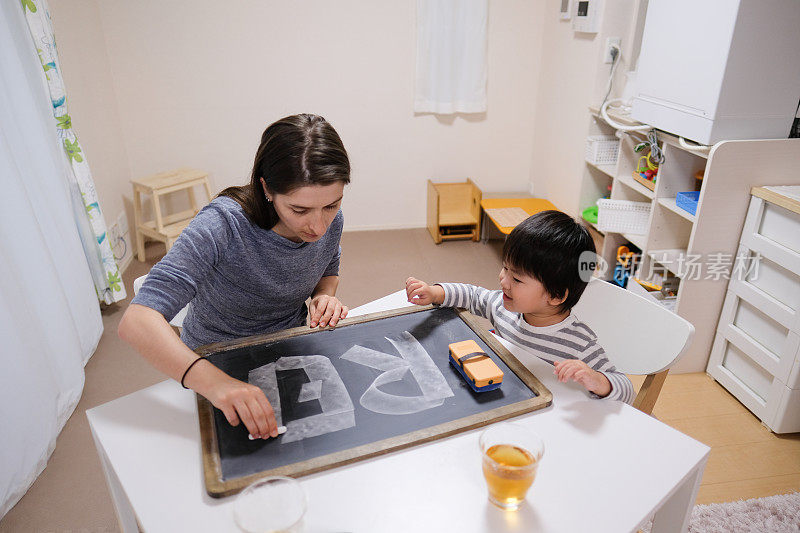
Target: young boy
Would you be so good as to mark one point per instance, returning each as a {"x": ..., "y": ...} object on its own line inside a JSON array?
[{"x": 540, "y": 284}]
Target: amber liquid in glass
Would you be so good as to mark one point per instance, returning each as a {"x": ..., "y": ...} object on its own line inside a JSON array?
[{"x": 509, "y": 471}]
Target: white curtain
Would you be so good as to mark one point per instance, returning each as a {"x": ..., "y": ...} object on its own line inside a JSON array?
[
  {"x": 88, "y": 215},
  {"x": 451, "y": 56},
  {"x": 49, "y": 315}
]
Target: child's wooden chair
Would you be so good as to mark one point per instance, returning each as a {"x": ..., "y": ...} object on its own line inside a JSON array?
[
  {"x": 640, "y": 337},
  {"x": 454, "y": 211}
]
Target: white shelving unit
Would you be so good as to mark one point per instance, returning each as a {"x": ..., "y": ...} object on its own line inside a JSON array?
[
  {"x": 756, "y": 353},
  {"x": 670, "y": 204},
  {"x": 690, "y": 246}
]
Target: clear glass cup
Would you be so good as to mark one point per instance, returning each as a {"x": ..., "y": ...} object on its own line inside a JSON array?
[
  {"x": 271, "y": 504},
  {"x": 511, "y": 454}
]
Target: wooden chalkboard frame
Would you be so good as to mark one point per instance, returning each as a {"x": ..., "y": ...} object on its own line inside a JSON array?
[{"x": 217, "y": 487}]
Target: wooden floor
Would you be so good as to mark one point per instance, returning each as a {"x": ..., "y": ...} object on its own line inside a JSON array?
[{"x": 747, "y": 460}]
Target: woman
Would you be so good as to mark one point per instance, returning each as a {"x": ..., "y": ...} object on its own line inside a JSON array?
[{"x": 247, "y": 263}]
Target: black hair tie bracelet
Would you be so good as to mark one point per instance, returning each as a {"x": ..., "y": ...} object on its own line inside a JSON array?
[{"x": 187, "y": 371}]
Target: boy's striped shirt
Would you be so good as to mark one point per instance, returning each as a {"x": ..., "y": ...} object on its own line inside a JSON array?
[{"x": 569, "y": 339}]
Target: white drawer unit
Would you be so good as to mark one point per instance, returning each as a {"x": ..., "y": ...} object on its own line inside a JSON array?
[{"x": 756, "y": 352}]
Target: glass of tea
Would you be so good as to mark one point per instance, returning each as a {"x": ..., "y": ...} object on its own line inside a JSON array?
[
  {"x": 511, "y": 454},
  {"x": 271, "y": 504}
]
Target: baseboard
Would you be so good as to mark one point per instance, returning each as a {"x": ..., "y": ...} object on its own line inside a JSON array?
[{"x": 379, "y": 227}]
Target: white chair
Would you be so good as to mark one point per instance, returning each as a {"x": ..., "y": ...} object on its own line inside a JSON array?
[
  {"x": 639, "y": 336},
  {"x": 177, "y": 321}
]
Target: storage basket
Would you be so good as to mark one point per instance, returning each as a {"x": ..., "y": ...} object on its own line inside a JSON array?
[
  {"x": 688, "y": 201},
  {"x": 602, "y": 149},
  {"x": 622, "y": 216}
]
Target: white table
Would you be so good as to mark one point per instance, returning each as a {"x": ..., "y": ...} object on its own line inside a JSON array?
[{"x": 606, "y": 467}]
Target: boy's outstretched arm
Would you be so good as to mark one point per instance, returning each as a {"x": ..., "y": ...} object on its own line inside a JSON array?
[
  {"x": 421, "y": 293},
  {"x": 477, "y": 300}
]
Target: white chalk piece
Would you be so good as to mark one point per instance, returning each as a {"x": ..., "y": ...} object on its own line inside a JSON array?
[{"x": 281, "y": 431}]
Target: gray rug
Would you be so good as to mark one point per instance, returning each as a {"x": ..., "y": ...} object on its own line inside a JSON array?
[{"x": 773, "y": 514}]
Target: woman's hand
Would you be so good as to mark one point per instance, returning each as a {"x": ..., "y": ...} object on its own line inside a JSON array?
[
  {"x": 149, "y": 333},
  {"x": 326, "y": 310},
  {"x": 576, "y": 370},
  {"x": 420, "y": 293},
  {"x": 240, "y": 401}
]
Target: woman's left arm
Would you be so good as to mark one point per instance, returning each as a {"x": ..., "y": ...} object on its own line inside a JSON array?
[{"x": 325, "y": 308}]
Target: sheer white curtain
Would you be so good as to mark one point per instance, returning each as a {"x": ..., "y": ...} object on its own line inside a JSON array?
[
  {"x": 451, "y": 56},
  {"x": 49, "y": 316}
]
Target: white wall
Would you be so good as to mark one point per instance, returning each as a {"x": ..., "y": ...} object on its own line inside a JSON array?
[
  {"x": 91, "y": 99},
  {"x": 576, "y": 77},
  {"x": 195, "y": 83}
]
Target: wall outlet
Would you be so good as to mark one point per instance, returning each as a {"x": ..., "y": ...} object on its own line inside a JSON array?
[
  {"x": 122, "y": 222},
  {"x": 120, "y": 242},
  {"x": 611, "y": 42},
  {"x": 113, "y": 234},
  {"x": 118, "y": 229}
]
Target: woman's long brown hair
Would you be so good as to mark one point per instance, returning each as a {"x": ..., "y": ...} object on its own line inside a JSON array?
[{"x": 295, "y": 151}]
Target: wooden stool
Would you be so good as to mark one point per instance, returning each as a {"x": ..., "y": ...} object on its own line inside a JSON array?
[
  {"x": 165, "y": 228},
  {"x": 454, "y": 211}
]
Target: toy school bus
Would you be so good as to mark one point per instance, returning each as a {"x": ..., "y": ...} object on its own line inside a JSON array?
[{"x": 475, "y": 366}]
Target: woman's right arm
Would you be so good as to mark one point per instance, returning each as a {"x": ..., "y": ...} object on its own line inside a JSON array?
[{"x": 151, "y": 335}]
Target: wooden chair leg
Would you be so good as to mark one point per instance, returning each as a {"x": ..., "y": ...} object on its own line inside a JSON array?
[
  {"x": 157, "y": 212},
  {"x": 192, "y": 200},
  {"x": 208, "y": 189},
  {"x": 648, "y": 394},
  {"x": 140, "y": 246}
]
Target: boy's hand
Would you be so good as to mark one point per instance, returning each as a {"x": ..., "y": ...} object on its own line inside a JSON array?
[
  {"x": 421, "y": 293},
  {"x": 576, "y": 370}
]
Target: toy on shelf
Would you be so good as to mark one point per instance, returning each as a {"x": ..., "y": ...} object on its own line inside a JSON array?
[
  {"x": 649, "y": 285},
  {"x": 666, "y": 296},
  {"x": 627, "y": 261},
  {"x": 698, "y": 179},
  {"x": 647, "y": 168},
  {"x": 666, "y": 284},
  {"x": 590, "y": 213}
]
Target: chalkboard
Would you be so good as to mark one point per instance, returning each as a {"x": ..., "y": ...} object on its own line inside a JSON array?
[{"x": 375, "y": 384}]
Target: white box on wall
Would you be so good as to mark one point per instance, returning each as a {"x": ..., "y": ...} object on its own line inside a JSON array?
[
  {"x": 719, "y": 69},
  {"x": 586, "y": 15}
]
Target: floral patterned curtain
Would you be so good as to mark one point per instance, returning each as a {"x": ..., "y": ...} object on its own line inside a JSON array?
[{"x": 105, "y": 272}]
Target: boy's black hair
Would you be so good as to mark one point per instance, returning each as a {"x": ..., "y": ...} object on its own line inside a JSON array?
[{"x": 547, "y": 246}]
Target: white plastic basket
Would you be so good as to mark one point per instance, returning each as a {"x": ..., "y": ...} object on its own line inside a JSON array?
[
  {"x": 622, "y": 216},
  {"x": 602, "y": 149}
]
